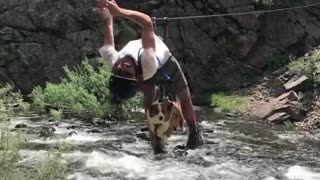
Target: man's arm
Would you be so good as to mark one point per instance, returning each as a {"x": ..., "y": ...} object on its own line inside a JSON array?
[
  {"x": 148, "y": 40},
  {"x": 108, "y": 52},
  {"x": 108, "y": 20},
  {"x": 108, "y": 34}
]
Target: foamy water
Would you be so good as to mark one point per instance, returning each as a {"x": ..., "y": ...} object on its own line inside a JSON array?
[
  {"x": 302, "y": 173},
  {"x": 235, "y": 150}
]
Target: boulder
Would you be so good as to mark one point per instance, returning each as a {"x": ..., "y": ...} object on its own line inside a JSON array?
[
  {"x": 297, "y": 83},
  {"x": 278, "y": 117},
  {"x": 281, "y": 108}
]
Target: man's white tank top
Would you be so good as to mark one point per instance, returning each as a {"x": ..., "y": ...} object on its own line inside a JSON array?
[{"x": 132, "y": 48}]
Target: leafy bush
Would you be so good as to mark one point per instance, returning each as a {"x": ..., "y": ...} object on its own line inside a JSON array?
[
  {"x": 308, "y": 65},
  {"x": 84, "y": 94}
]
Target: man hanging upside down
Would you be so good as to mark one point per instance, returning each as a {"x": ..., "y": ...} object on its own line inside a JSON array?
[{"x": 139, "y": 64}]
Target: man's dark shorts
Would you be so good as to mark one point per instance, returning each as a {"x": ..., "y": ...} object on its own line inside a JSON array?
[{"x": 177, "y": 81}]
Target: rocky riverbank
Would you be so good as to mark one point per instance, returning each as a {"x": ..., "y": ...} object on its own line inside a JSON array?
[{"x": 288, "y": 96}]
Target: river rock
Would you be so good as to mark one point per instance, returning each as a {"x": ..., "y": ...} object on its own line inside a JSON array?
[
  {"x": 144, "y": 129},
  {"x": 18, "y": 126},
  {"x": 143, "y": 135},
  {"x": 297, "y": 83},
  {"x": 72, "y": 133},
  {"x": 278, "y": 108},
  {"x": 278, "y": 117},
  {"x": 93, "y": 131},
  {"x": 47, "y": 132}
]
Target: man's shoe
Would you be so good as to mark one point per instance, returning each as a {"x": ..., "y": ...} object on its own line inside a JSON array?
[{"x": 195, "y": 139}]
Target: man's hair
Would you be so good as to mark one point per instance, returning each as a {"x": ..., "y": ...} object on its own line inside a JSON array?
[{"x": 121, "y": 87}]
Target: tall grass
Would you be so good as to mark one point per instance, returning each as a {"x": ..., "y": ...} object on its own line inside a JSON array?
[
  {"x": 11, "y": 142},
  {"x": 230, "y": 102}
]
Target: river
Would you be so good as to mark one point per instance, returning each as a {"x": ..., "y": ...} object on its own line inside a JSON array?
[{"x": 237, "y": 148}]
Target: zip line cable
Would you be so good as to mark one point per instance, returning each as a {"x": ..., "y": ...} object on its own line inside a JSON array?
[{"x": 233, "y": 14}]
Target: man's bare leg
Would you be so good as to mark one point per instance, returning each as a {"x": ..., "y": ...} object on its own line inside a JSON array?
[{"x": 195, "y": 139}]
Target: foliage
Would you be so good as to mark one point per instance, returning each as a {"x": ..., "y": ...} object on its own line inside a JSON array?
[
  {"x": 291, "y": 127},
  {"x": 53, "y": 168},
  {"x": 56, "y": 114},
  {"x": 264, "y": 4},
  {"x": 11, "y": 102},
  {"x": 11, "y": 142},
  {"x": 84, "y": 94},
  {"x": 230, "y": 102},
  {"x": 308, "y": 65},
  {"x": 278, "y": 61},
  {"x": 9, "y": 153}
]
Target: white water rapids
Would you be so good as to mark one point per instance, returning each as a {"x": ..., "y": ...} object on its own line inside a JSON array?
[{"x": 236, "y": 149}]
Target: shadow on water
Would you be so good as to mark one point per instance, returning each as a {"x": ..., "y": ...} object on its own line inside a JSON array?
[{"x": 237, "y": 148}]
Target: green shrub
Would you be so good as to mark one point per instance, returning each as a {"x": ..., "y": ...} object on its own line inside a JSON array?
[
  {"x": 57, "y": 115},
  {"x": 9, "y": 153},
  {"x": 53, "y": 168},
  {"x": 11, "y": 142},
  {"x": 11, "y": 103},
  {"x": 230, "y": 102},
  {"x": 278, "y": 61},
  {"x": 307, "y": 65},
  {"x": 84, "y": 94}
]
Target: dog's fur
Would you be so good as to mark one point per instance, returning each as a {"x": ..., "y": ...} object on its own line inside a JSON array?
[{"x": 164, "y": 117}]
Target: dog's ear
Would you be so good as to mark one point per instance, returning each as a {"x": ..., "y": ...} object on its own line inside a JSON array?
[{"x": 153, "y": 109}]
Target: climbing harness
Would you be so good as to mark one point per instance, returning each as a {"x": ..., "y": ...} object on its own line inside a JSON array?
[
  {"x": 163, "y": 94},
  {"x": 161, "y": 85}
]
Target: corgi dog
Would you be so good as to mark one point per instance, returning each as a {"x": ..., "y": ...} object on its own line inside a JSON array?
[{"x": 165, "y": 117}]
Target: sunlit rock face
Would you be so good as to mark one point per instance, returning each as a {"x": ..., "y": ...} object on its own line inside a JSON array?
[{"x": 39, "y": 37}]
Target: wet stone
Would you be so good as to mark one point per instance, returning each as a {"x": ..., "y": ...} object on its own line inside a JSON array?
[
  {"x": 18, "y": 126},
  {"x": 128, "y": 140},
  {"x": 72, "y": 127},
  {"x": 143, "y": 135},
  {"x": 207, "y": 131},
  {"x": 180, "y": 152},
  {"x": 94, "y": 131},
  {"x": 144, "y": 129},
  {"x": 232, "y": 114},
  {"x": 210, "y": 142},
  {"x": 72, "y": 133},
  {"x": 47, "y": 131},
  {"x": 100, "y": 122}
]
